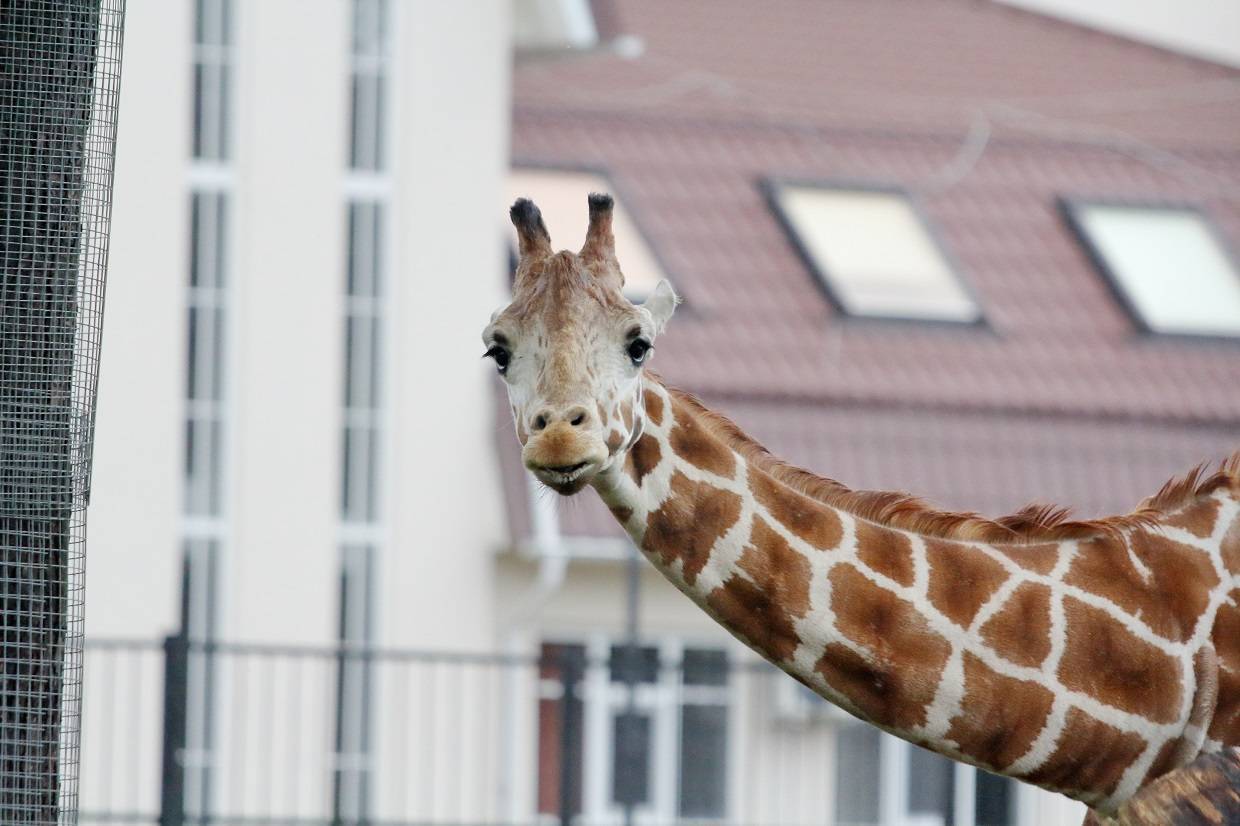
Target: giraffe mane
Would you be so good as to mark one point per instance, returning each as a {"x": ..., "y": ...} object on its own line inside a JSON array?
[{"x": 1033, "y": 523}]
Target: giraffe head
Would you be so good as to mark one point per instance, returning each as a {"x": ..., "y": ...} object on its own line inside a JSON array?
[{"x": 571, "y": 349}]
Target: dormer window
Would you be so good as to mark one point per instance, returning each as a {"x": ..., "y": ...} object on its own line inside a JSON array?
[
  {"x": 1166, "y": 265},
  {"x": 561, "y": 197},
  {"x": 872, "y": 253}
]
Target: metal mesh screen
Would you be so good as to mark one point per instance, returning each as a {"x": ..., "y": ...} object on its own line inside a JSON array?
[{"x": 59, "y": 78}]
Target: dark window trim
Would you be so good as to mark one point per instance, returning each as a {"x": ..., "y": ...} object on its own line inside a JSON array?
[
  {"x": 771, "y": 186},
  {"x": 1070, "y": 207},
  {"x": 621, "y": 196}
]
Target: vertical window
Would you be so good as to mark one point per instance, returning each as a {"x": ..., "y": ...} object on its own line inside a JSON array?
[
  {"x": 361, "y": 442},
  {"x": 204, "y": 526},
  {"x": 368, "y": 85},
  {"x": 212, "y": 78}
]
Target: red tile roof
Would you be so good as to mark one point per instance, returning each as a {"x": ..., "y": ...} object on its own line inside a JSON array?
[{"x": 986, "y": 116}]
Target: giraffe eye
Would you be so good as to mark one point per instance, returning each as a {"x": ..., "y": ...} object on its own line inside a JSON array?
[
  {"x": 501, "y": 357},
  {"x": 638, "y": 350}
]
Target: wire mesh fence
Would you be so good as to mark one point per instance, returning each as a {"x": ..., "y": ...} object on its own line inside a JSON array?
[{"x": 59, "y": 79}]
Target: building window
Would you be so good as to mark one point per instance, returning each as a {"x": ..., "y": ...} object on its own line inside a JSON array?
[
  {"x": 368, "y": 84},
  {"x": 363, "y": 340},
  {"x": 1166, "y": 265},
  {"x": 204, "y": 527},
  {"x": 561, "y": 197},
  {"x": 212, "y": 78},
  {"x": 873, "y": 253},
  {"x": 664, "y": 749},
  {"x": 881, "y": 780},
  {"x": 364, "y": 279}
]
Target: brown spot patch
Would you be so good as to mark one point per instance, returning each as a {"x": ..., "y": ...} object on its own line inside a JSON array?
[
  {"x": 1178, "y": 588},
  {"x": 1231, "y": 547},
  {"x": 777, "y": 569},
  {"x": 1105, "y": 660},
  {"x": 654, "y": 407},
  {"x": 962, "y": 578},
  {"x": 689, "y": 522},
  {"x": 1040, "y": 558},
  {"x": 1225, "y": 727},
  {"x": 626, "y": 415},
  {"x": 643, "y": 458},
  {"x": 697, "y": 446},
  {"x": 614, "y": 440},
  {"x": 621, "y": 513},
  {"x": 602, "y": 414},
  {"x": 1226, "y": 632},
  {"x": 1198, "y": 518},
  {"x": 894, "y": 685},
  {"x": 1226, "y": 638},
  {"x": 1001, "y": 716},
  {"x": 816, "y": 523},
  {"x": 756, "y": 615},
  {"x": 888, "y": 552},
  {"x": 1090, "y": 755},
  {"x": 1021, "y": 631}
]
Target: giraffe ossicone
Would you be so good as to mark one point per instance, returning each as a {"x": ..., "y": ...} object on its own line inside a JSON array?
[{"x": 1085, "y": 657}]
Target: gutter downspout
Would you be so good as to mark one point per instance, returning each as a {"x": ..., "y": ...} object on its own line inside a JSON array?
[{"x": 548, "y": 544}]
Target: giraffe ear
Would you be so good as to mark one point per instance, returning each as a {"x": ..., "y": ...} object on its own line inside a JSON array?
[
  {"x": 531, "y": 231},
  {"x": 661, "y": 304}
]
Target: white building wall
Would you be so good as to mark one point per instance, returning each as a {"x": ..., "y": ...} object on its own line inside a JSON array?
[
  {"x": 444, "y": 503},
  {"x": 279, "y": 581}
]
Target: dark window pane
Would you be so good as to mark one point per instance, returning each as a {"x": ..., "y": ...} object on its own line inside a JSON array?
[
  {"x": 552, "y": 767},
  {"x": 350, "y": 338},
  {"x": 856, "y": 775},
  {"x": 703, "y": 761},
  {"x": 630, "y": 758},
  {"x": 192, "y": 354},
  {"x": 640, "y": 664},
  {"x": 199, "y": 103},
  {"x": 195, "y": 238},
  {"x": 376, "y": 125},
  {"x": 220, "y": 251},
  {"x": 350, "y": 280},
  {"x": 705, "y": 666},
  {"x": 993, "y": 800},
  {"x": 554, "y": 654},
  {"x": 224, "y": 97},
  {"x": 930, "y": 783}
]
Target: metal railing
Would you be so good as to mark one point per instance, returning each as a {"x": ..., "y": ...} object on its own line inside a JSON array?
[{"x": 183, "y": 733}]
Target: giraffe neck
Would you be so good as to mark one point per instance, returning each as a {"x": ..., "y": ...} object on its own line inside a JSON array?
[{"x": 931, "y": 639}]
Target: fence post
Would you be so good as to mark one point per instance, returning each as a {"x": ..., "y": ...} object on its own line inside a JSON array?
[
  {"x": 176, "y": 678},
  {"x": 572, "y": 666}
]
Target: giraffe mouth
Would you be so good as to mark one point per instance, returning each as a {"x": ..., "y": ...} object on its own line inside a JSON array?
[{"x": 564, "y": 479}]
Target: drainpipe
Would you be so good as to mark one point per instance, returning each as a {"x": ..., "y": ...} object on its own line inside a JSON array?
[{"x": 548, "y": 545}]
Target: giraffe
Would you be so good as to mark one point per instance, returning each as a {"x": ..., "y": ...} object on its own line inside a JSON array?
[{"x": 1085, "y": 657}]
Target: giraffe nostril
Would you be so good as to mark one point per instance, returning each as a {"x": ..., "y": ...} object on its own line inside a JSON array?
[
  {"x": 578, "y": 419},
  {"x": 540, "y": 422}
]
